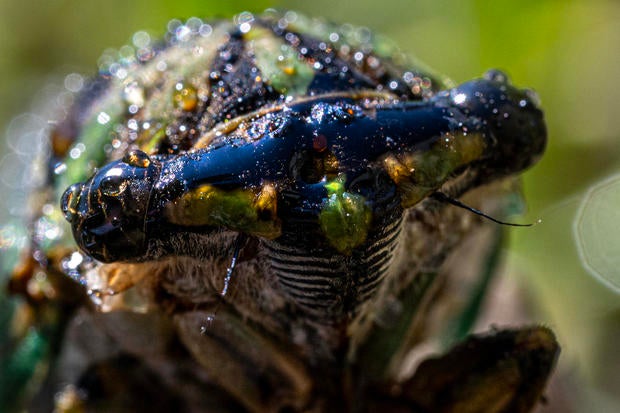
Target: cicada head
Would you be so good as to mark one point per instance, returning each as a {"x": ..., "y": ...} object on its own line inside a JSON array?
[
  {"x": 108, "y": 212},
  {"x": 512, "y": 117}
]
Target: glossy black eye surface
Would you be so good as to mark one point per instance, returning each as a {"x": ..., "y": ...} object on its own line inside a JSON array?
[
  {"x": 112, "y": 186},
  {"x": 70, "y": 201},
  {"x": 513, "y": 117},
  {"x": 108, "y": 211}
]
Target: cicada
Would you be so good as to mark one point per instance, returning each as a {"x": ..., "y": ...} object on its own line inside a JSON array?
[{"x": 266, "y": 218}]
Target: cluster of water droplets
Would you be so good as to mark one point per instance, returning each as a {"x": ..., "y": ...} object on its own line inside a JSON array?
[
  {"x": 25, "y": 161},
  {"x": 120, "y": 66},
  {"x": 144, "y": 47},
  {"x": 24, "y": 172},
  {"x": 361, "y": 46},
  {"x": 116, "y": 61},
  {"x": 84, "y": 270}
]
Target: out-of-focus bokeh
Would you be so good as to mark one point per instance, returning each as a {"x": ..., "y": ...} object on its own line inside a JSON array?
[{"x": 568, "y": 51}]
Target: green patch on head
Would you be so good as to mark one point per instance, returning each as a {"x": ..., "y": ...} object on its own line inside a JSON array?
[
  {"x": 244, "y": 210},
  {"x": 280, "y": 64},
  {"x": 345, "y": 217},
  {"x": 420, "y": 173},
  {"x": 148, "y": 140}
]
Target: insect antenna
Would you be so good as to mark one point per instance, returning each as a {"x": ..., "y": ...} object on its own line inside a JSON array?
[
  {"x": 239, "y": 242},
  {"x": 440, "y": 196}
]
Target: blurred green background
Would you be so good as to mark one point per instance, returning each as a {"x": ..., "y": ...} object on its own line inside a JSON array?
[{"x": 568, "y": 51}]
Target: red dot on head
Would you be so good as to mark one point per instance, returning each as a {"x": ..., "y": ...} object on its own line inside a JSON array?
[{"x": 319, "y": 143}]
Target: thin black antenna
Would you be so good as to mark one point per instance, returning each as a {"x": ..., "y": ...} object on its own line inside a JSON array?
[
  {"x": 440, "y": 196},
  {"x": 239, "y": 241}
]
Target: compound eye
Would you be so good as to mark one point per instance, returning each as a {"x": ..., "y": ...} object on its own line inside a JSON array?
[
  {"x": 112, "y": 185},
  {"x": 137, "y": 158}
]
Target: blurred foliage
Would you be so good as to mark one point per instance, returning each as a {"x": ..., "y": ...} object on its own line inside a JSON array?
[{"x": 568, "y": 51}]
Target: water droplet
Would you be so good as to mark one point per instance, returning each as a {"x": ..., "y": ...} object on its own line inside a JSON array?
[
  {"x": 26, "y": 135},
  {"x": 75, "y": 153},
  {"x": 363, "y": 35},
  {"x": 132, "y": 124},
  {"x": 185, "y": 97},
  {"x": 141, "y": 39},
  {"x": 173, "y": 25},
  {"x": 245, "y": 27},
  {"x": 161, "y": 66},
  {"x": 209, "y": 320},
  {"x": 533, "y": 97},
  {"x": 47, "y": 209},
  {"x": 73, "y": 261},
  {"x": 74, "y": 82},
  {"x": 459, "y": 98},
  {"x": 70, "y": 201},
  {"x": 120, "y": 73},
  {"x": 183, "y": 33},
  {"x": 244, "y": 20},
  {"x": 103, "y": 118},
  {"x": 205, "y": 30},
  {"x": 496, "y": 76},
  {"x": 290, "y": 16},
  {"x": 96, "y": 296},
  {"x": 127, "y": 53},
  {"x": 137, "y": 158},
  {"x": 134, "y": 94},
  {"x": 12, "y": 236}
]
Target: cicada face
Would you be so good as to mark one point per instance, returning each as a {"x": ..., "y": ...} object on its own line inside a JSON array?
[{"x": 258, "y": 201}]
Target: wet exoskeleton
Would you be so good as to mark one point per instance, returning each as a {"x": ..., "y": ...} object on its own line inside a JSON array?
[{"x": 265, "y": 222}]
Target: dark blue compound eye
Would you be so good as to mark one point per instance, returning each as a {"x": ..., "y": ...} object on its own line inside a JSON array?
[
  {"x": 108, "y": 211},
  {"x": 112, "y": 185},
  {"x": 512, "y": 118}
]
